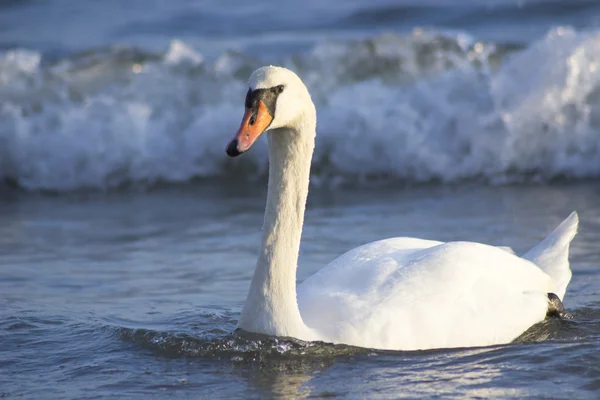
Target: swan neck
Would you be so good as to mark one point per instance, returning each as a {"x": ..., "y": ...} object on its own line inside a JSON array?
[{"x": 271, "y": 306}]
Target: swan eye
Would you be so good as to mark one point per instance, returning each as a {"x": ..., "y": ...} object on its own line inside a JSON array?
[{"x": 278, "y": 88}]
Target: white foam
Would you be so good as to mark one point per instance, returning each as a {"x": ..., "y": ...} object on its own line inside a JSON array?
[
  {"x": 418, "y": 107},
  {"x": 179, "y": 53}
]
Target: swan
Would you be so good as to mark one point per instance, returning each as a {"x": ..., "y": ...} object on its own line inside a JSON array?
[{"x": 397, "y": 294}]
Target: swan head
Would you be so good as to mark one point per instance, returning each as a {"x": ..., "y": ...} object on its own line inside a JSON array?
[{"x": 277, "y": 98}]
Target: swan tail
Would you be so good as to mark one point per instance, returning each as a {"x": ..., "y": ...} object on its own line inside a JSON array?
[{"x": 552, "y": 254}]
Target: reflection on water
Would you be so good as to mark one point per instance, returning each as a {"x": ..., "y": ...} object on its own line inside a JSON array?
[{"x": 290, "y": 379}]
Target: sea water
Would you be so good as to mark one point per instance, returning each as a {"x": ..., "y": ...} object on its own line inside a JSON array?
[{"x": 128, "y": 239}]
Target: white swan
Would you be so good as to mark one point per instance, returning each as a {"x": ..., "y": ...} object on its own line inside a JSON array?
[{"x": 400, "y": 293}]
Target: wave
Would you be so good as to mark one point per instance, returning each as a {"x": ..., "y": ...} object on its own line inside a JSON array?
[
  {"x": 427, "y": 106},
  {"x": 219, "y": 343},
  {"x": 236, "y": 346}
]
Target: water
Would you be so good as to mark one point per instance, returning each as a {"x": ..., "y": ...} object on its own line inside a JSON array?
[
  {"x": 130, "y": 294},
  {"x": 127, "y": 238}
]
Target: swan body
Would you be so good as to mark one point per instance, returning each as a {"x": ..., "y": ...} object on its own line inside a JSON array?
[{"x": 399, "y": 293}]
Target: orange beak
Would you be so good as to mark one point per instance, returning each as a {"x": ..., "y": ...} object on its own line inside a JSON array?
[{"x": 256, "y": 120}]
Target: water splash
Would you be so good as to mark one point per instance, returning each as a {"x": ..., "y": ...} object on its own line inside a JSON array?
[{"x": 234, "y": 346}]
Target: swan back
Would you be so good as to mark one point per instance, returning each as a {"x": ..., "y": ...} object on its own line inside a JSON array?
[{"x": 412, "y": 294}]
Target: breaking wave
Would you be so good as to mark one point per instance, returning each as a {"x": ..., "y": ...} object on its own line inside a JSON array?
[{"x": 427, "y": 106}]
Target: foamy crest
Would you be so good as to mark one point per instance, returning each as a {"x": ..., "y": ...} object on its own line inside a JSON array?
[{"x": 421, "y": 107}]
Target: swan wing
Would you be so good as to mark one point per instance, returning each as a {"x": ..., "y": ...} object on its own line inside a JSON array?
[{"x": 409, "y": 294}]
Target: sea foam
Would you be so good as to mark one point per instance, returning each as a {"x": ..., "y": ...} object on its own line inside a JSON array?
[{"x": 427, "y": 106}]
